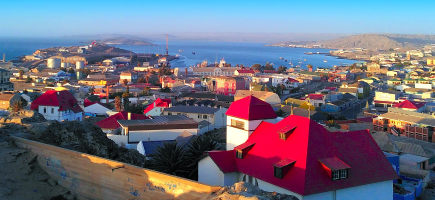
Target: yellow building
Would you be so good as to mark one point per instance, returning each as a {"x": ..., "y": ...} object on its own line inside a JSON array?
[
  {"x": 431, "y": 61},
  {"x": 307, "y": 105}
]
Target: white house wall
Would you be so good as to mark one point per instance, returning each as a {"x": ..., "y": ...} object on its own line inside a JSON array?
[
  {"x": 380, "y": 190},
  {"x": 155, "y": 112},
  {"x": 273, "y": 188},
  {"x": 96, "y": 109},
  {"x": 158, "y": 135},
  {"x": 209, "y": 173}
]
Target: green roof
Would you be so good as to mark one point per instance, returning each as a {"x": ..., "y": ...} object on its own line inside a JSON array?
[
  {"x": 409, "y": 79},
  {"x": 422, "y": 79}
]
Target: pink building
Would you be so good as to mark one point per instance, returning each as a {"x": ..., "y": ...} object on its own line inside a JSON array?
[{"x": 229, "y": 85}]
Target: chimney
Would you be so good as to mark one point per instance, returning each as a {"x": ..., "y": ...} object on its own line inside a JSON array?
[
  {"x": 129, "y": 116},
  {"x": 107, "y": 94}
]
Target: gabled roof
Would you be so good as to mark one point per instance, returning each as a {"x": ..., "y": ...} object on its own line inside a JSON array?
[
  {"x": 316, "y": 96},
  {"x": 410, "y": 104},
  {"x": 62, "y": 99},
  {"x": 112, "y": 121},
  {"x": 308, "y": 145},
  {"x": 158, "y": 103},
  {"x": 224, "y": 160},
  {"x": 251, "y": 108}
]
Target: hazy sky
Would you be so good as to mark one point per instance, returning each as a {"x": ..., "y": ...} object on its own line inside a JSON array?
[{"x": 59, "y": 18}]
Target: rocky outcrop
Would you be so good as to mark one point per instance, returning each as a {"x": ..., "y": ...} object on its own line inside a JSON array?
[
  {"x": 22, "y": 178},
  {"x": 245, "y": 191}
]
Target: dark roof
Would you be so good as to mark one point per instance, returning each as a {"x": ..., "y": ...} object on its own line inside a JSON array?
[
  {"x": 338, "y": 103},
  {"x": 192, "y": 109},
  {"x": 390, "y": 91},
  {"x": 316, "y": 116},
  {"x": 160, "y": 122},
  {"x": 151, "y": 146},
  {"x": 225, "y": 98},
  {"x": 112, "y": 121},
  {"x": 198, "y": 95}
]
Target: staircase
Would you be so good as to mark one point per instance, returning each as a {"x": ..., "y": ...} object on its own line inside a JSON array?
[{"x": 394, "y": 131}]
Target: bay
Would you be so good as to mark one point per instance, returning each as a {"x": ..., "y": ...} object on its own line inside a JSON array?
[{"x": 233, "y": 52}]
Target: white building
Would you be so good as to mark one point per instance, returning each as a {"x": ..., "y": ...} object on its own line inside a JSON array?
[
  {"x": 297, "y": 156},
  {"x": 214, "y": 71},
  {"x": 97, "y": 109},
  {"x": 58, "y": 105}
]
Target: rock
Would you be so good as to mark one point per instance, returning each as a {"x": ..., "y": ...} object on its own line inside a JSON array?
[
  {"x": 52, "y": 182},
  {"x": 4, "y": 191},
  {"x": 247, "y": 191}
]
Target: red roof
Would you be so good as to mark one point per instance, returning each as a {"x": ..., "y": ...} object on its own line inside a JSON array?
[
  {"x": 293, "y": 80},
  {"x": 162, "y": 103},
  {"x": 245, "y": 71},
  {"x": 315, "y": 96},
  {"x": 112, "y": 121},
  {"x": 310, "y": 146},
  {"x": 62, "y": 99},
  {"x": 251, "y": 108},
  {"x": 410, "y": 104},
  {"x": 225, "y": 159}
]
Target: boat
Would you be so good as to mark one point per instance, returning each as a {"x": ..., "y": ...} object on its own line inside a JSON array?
[
  {"x": 325, "y": 60},
  {"x": 285, "y": 60},
  {"x": 193, "y": 52},
  {"x": 281, "y": 58},
  {"x": 180, "y": 50},
  {"x": 177, "y": 56},
  {"x": 309, "y": 53}
]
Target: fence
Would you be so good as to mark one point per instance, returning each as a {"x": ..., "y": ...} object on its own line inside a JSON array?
[{"x": 91, "y": 177}]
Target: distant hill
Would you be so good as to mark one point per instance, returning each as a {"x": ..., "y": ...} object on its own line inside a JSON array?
[
  {"x": 123, "y": 41},
  {"x": 372, "y": 41}
]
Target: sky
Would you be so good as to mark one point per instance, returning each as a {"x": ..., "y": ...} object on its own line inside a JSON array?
[{"x": 59, "y": 18}]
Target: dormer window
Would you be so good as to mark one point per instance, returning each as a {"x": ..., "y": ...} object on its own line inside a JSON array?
[
  {"x": 281, "y": 168},
  {"x": 336, "y": 168},
  {"x": 285, "y": 132},
  {"x": 243, "y": 149}
]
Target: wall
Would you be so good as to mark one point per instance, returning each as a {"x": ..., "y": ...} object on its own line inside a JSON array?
[
  {"x": 380, "y": 190},
  {"x": 158, "y": 135},
  {"x": 96, "y": 108},
  {"x": 209, "y": 173},
  {"x": 272, "y": 188},
  {"x": 91, "y": 177}
]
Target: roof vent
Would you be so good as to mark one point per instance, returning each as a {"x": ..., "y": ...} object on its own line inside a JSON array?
[
  {"x": 285, "y": 132},
  {"x": 243, "y": 149},
  {"x": 281, "y": 168}
]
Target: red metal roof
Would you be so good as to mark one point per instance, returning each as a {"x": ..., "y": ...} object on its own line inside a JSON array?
[
  {"x": 226, "y": 160},
  {"x": 284, "y": 163},
  {"x": 163, "y": 103},
  {"x": 309, "y": 143},
  {"x": 410, "y": 104},
  {"x": 315, "y": 96},
  {"x": 112, "y": 121},
  {"x": 251, "y": 108},
  {"x": 62, "y": 99}
]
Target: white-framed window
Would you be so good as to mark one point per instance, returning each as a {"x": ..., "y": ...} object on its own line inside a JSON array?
[
  {"x": 45, "y": 110},
  {"x": 52, "y": 110},
  {"x": 343, "y": 173},
  {"x": 335, "y": 175},
  {"x": 204, "y": 117}
]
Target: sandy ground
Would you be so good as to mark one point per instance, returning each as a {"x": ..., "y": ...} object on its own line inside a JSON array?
[{"x": 22, "y": 178}]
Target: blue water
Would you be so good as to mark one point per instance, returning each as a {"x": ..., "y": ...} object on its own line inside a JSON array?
[{"x": 234, "y": 53}]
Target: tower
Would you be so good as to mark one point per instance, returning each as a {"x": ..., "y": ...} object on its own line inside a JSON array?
[
  {"x": 244, "y": 116},
  {"x": 167, "y": 44}
]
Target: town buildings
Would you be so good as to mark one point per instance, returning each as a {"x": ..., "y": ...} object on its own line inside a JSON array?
[
  {"x": 279, "y": 156},
  {"x": 214, "y": 116},
  {"x": 5, "y": 84},
  {"x": 8, "y": 99},
  {"x": 157, "y": 107}
]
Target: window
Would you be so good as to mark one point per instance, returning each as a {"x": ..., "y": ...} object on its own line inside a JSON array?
[
  {"x": 277, "y": 172},
  {"x": 52, "y": 110},
  {"x": 204, "y": 117},
  {"x": 199, "y": 116},
  {"x": 343, "y": 173},
  {"x": 211, "y": 116},
  {"x": 45, "y": 110},
  {"x": 237, "y": 124},
  {"x": 239, "y": 154},
  {"x": 250, "y": 180},
  {"x": 335, "y": 175},
  {"x": 282, "y": 136},
  {"x": 169, "y": 113}
]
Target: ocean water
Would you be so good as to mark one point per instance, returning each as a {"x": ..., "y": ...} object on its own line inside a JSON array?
[{"x": 233, "y": 52}]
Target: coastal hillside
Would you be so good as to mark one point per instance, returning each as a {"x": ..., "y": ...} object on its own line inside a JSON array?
[{"x": 370, "y": 41}]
